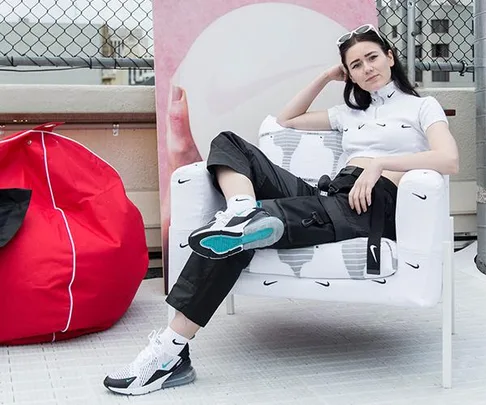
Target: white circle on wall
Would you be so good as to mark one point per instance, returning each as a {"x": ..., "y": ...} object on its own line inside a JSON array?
[{"x": 250, "y": 62}]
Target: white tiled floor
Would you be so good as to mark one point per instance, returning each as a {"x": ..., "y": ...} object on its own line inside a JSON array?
[{"x": 274, "y": 352}]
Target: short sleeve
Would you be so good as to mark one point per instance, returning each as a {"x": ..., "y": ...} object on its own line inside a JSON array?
[
  {"x": 336, "y": 116},
  {"x": 431, "y": 112}
]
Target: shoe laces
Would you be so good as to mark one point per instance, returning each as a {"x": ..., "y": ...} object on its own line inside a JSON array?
[
  {"x": 153, "y": 349},
  {"x": 223, "y": 217}
]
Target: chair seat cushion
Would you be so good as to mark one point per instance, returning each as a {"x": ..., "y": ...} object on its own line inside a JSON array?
[{"x": 340, "y": 260}]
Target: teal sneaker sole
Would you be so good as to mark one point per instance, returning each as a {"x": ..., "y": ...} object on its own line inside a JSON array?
[{"x": 220, "y": 244}]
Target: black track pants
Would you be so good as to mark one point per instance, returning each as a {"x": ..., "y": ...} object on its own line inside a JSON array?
[{"x": 309, "y": 219}]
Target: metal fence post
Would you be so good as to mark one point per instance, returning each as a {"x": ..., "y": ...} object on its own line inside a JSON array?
[
  {"x": 480, "y": 67},
  {"x": 411, "y": 40}
]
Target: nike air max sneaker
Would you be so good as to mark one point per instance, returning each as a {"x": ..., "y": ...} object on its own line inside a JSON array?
[
  {"x": 229, "y": 233},
  {"x": 152, "y": 370}
]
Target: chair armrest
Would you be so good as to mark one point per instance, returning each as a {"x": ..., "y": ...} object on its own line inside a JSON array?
[
  {"x": 422, "y": 215},
  {"x": 193, "y": 199}
]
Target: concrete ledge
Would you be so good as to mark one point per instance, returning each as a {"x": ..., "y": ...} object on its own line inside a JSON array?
[{"x": 77, "y": 99}]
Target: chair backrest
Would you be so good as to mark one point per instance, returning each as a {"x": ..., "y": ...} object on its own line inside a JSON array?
[{"x": 307, "y": 154}]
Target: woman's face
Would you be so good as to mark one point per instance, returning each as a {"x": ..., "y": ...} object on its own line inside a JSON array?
[{"x": 368, "y": 66}]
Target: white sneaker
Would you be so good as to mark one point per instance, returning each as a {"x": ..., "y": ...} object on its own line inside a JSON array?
[
  {"x": 229, "y": 233},
  {"x": 152, "y": 370}
]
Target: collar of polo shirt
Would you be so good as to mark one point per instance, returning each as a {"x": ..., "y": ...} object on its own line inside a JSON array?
[{"x": 387, "y": 92}]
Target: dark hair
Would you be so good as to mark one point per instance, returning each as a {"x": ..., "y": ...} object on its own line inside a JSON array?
[{"x": 362, "y": 97}]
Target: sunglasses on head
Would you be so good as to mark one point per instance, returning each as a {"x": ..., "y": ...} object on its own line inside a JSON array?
[{"x": 360, "y": 30}]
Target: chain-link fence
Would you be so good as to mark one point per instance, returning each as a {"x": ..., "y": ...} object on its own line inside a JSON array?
[
  {"x": 442, "y": 37},
  {"x": 105, "y": 34},
  {"x": 113, "y": 34}
]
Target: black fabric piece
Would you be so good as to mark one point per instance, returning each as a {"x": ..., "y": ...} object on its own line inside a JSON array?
[
  {"x": 343, "y": 182},
  {"x": 324, "y": 182},
  {"x": 14, "y": 203},
  {"x": 377, "y": 228}
]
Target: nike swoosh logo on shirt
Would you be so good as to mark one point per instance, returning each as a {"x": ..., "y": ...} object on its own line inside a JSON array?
[
  {"x": 177, "y": 343},
  {"x": 361, "y": 126},
  {"x": 183, "y": 246},
  {"x": 267, "y": 283},
  {"x": 381, "y": 125},
  {"x": 422, "y": 197},
  {"x": 183, "y": 181},
  {"x": 416, "y": 266},
  {"x": 390, "y": 95},
  {"x": 406, "y": 126},
  {"x": 380, "y": 281}
]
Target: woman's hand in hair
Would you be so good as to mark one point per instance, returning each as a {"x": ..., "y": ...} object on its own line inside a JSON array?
[
  {"x": 360, "y": 195},
  {"x": 337, "y": 73}
]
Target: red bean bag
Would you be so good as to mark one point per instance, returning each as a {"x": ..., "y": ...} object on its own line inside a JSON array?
[{"x": 79, "y": 256}]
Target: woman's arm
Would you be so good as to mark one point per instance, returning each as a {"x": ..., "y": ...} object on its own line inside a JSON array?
[
  {"x": 295, "y": 114},
  {"x": 442, "y": 157}
]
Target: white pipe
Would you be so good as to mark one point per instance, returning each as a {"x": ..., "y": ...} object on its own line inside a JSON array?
[{"x": 447, "y": 314}]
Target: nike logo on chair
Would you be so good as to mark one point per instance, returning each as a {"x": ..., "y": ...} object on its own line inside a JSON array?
[
  {"x": 183, "y": 181},
  {"x": 267, "y": 283},
  {"x": 422, "y": 197},
  {"x": 326, "y": 284}
]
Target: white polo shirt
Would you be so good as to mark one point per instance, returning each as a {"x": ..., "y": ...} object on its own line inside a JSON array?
[{"x": 394, "y": 124}]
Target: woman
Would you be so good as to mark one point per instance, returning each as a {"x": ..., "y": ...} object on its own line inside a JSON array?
[{"x": 387, "y": 128}]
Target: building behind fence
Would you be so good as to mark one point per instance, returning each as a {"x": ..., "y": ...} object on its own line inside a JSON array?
[{"x": 91, "y": 33}]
